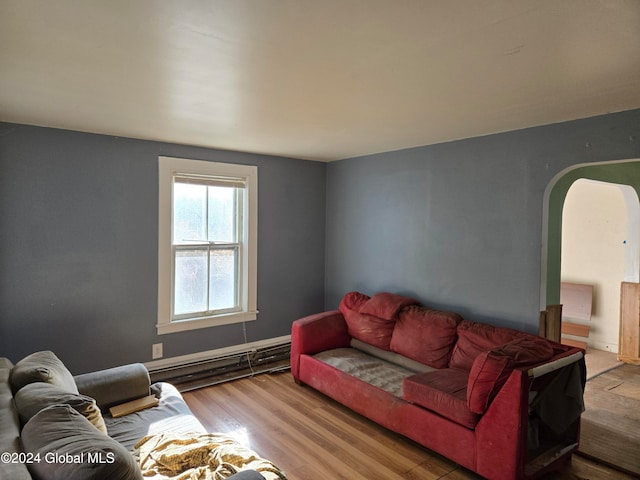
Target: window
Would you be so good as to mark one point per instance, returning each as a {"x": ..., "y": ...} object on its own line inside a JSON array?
[{"x": 207, "y": 244}]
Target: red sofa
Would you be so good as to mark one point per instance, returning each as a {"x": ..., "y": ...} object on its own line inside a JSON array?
[{"x": 502, "y": 403}]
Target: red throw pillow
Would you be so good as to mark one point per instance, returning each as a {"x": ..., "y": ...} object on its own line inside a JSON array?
[{"x": 489, "y": 372}]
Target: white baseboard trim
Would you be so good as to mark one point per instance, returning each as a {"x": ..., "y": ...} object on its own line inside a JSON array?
[
  {"x": 171, "y": 362},
  {"x": 607, "y": 347}
]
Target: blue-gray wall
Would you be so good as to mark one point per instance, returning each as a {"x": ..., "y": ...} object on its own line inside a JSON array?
[
  {"x": 78, "y": 247},
  {"x": 459, "y": 225}
]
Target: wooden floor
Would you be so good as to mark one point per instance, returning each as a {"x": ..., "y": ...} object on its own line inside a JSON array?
[
  {"x": 611, "y": 422},
  {"x": 599, "y": 362},
  {"x": 311, "y": 437}
]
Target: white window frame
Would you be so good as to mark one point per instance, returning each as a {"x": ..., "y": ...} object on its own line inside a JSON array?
[{"x": 168, "y": 168}]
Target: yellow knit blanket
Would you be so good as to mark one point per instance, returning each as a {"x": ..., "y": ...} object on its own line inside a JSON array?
[{"x": 210, "y": 456}]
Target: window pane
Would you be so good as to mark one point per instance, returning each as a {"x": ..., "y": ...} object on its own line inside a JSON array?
[
  {"x": 189, "y": 212},
  {"x": 190, "y": 281},
  {"x": 222, "y": 293},
  {"x": 222, "y": 214}
]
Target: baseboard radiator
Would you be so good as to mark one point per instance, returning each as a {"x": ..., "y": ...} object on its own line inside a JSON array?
[{"x": 224, "y": 368}]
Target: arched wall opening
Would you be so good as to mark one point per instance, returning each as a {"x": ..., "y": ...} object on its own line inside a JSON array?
[{"x": 626, "y": 172}]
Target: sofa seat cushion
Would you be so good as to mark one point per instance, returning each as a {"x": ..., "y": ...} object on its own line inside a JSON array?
[
  {"x": 71, "y": 448},
  {"x": 171, "y": 415},
  {"x": 32, "y": 398},
  {"x": 42, "y": 367},
  {"x": 444, "y": 392},
  {"x": 425, "y": 335},
  {"x": 375, "y": 371}
]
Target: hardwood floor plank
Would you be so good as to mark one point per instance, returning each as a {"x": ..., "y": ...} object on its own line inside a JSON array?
[
  {"x": 311, "y": 437},
  {"x": 340, "y": 441},
  {"x": 216, "y": 419}
]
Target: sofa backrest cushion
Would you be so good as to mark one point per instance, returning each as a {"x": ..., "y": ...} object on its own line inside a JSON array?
[
  {"x": 386, "y": 305},
  {"x": 32, "y": 398},
  {"x": 42, "y": 367},
  {"x": 71, "y": 448},
  {"x": 366, "y": 328},
  {"x": 425, "y": 335},
  {"x": 475, "y": 338}
]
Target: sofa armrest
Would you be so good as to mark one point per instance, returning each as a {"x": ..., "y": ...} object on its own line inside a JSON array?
[
  {"x": 502, "y": 434},
  {"x": 115, "y": 385},
  {"x": 316, "y": 333}
]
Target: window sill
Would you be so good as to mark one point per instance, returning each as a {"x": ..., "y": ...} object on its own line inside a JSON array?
[{"x": 218, "y": 320}]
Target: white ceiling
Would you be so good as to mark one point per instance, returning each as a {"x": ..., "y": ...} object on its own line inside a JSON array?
[{"x": 315, "y": 79}]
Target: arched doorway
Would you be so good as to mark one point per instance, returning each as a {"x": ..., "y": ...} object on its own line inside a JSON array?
[{"x": 626, "y": 172}]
